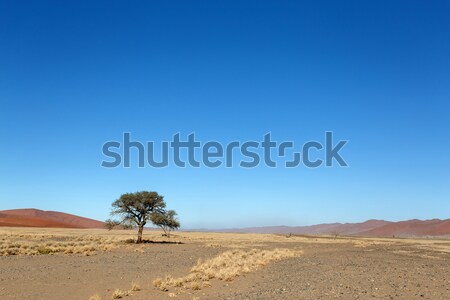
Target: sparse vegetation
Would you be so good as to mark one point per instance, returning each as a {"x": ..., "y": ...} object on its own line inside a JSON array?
[
  {"x": 225, "y": 257},
  {"x": 167, "y": 221},
  {"x": 117, "y": 294},
  {"x": 225, "y": 266},
  {"x": 54, "y": 241},
  {"x": 335, "y": 234},
  {"x": 138, "y": 208},
  {"x": 44, "y": 244},
  {"x": 135, "y": 287}
]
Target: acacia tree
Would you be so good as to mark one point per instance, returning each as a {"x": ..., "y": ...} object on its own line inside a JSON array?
[
  {"x": 138, "y": 208},
  {"x": 167, "y": 221}
]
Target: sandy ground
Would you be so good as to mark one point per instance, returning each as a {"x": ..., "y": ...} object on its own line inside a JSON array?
[{"x": 343, "y": 268}]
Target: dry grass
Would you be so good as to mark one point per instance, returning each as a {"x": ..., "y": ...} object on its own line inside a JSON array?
[
  {"x": 34, "y": 241},
  {"x": 95, "y": 297},
  {"x": 117, "y": 294},
  {"x": 135, "y": 287},
  {"x": 38, "y": 244},
  {"x": 37, "y": 241},
  {"x": 225, "y": 266}
]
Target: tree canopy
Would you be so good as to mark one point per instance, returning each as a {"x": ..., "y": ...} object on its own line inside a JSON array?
[
  {"x": 138, "y": 208},
  {"x": 167, "y": 221}
]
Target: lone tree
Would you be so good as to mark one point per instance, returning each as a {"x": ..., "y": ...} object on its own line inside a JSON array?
[
  {"x": 166, "y": 221},
  {"x": 137, "y": 208}
]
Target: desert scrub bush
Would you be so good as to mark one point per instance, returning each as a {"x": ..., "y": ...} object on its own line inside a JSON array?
[{"x": 225, "y": 266}]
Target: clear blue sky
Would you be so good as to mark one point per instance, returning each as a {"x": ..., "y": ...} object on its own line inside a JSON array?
[{"x": 76, "y": 74}]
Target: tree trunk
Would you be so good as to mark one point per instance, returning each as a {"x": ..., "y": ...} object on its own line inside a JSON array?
[{"x": 139, "y": 238}]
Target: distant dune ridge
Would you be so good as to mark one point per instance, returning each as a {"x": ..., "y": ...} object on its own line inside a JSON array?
[
  {"x": 39, "y": 218},
  {"x": 377, "y": 228}
]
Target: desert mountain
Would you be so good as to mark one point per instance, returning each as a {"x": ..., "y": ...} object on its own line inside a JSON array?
[
  {"x": 39, "y": 218},
  {"x": 433, "y": 227},
  {"x": 379, "y": 228}
]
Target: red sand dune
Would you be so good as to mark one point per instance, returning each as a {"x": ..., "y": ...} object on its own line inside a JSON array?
[
  {"x": 379, "y": 228},
  {"x": 40, "y": 218},
  {"x": 433, "y": 227}
]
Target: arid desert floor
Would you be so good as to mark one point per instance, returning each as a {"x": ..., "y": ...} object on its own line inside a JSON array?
[{"x": 99, "y": 264}]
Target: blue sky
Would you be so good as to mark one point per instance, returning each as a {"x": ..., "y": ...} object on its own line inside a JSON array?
[{"x": 74, "y": 75}]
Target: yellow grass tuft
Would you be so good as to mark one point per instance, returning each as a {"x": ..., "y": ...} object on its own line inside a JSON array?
[
  {"x": 157, "y": 282},
  {"x": 135, "y": 287},
  {"x": 117, "y": 294},
  {"x": 95, "y": 297},
  {"x": 225, "y": 266}
]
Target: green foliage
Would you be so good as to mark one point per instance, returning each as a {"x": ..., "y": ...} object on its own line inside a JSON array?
[
  {"x": 166, "y": 221},
  {"x": 137, "y": 209}
]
